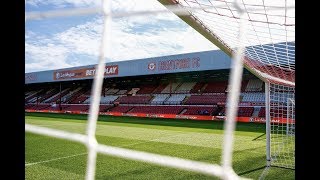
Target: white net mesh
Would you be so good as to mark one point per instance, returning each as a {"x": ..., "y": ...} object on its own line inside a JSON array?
[
  {"x": 282, "y": 119},
  {"x": 291, "y": 125},
  {"x": 269, "y": 42},
  {"x": 269, "y": 53},
  {"x": 269, "y": 38}
]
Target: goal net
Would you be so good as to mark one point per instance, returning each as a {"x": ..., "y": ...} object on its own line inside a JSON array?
[
  {"x": 269, "y": 53},
  {"x": 282, "y": 126},
  {"x": 291, "y": 117},
  {"x": 258, "y": 35}
]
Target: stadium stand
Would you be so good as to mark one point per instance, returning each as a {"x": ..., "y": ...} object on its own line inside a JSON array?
[
  {"x": 108, "y": 99},
  {"x": 175, "y": 99},
  {"x": 194, "y": 96},
  {"x": 122, "y": 92},
  {"x": 216, "y": 87},
  {"x": 79, "y": 96},
  {"x": 245, "y": 111},
  {"x": 77, "y": 107},
  {"x": 197, "y": 88},
  {"x": 244, "y": 84},
  {"x": 55, "y": 97},
  {"x": 254, "y": 85},
  {"x": 206, "y": 99},
  {"x": 253, "y": 97},
  {"x": 31, "y": 95},
  {"x": 185, "y": 87},
  {"x": 69, "y": 95},
  {"x": 40, "y": 106},
  {"x": 159, "y": 98},
  {"x": 160, "y": 88},
  {"x": 242, "y": 111},
  {"x": 133, "y": 91},
  {"x": 121, "y": 109},
  {"x": 147, "y": 89},
  {"x": 170, "y": 88},
  {"x": 44, "y": 95},
  {"x": 262, "y": 112},
  {"x": 111, "y": 91},
  {"x": 103, "y": 99},
  {"x": 200, "y": 110},
  {"x": 134, "y": 99}
]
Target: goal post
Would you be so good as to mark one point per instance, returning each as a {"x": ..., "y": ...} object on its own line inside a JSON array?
[
  {"x": 291, "y": 117},
  {"x": 280, "y": 125},
  {"x": 268, "y": 123}
]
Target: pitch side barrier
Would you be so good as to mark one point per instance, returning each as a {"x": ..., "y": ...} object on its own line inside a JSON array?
[{"x": 172, "y": 116}]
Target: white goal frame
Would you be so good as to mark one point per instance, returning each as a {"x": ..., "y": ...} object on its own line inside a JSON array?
[
  {"x": 280, "y": 125},
  {"x": 291, "y": 124}
]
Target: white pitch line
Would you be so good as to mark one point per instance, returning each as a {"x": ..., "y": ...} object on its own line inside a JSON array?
[
  {"x": 65, "y": 157},
  {"x": 55, "y": 159},
  {"x": 128, "y": 145}
]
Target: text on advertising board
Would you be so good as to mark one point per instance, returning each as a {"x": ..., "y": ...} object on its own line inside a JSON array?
[{"x": 85, "y": 72}]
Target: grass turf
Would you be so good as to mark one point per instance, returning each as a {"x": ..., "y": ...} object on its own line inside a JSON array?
[{"x": 51, "y": 158}]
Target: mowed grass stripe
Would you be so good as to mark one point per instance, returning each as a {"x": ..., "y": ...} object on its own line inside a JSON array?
[
  {"x": 110, "y": 167},
  {"x": 152, "y": 123},
  {"x": 195, "y": 143},
  {"x": 176, "y": 135}
]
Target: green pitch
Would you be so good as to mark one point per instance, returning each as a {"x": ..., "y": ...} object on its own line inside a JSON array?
[{"x": 51, "y": 158}]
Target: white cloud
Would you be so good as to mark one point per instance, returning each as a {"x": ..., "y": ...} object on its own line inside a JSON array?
[
  {"x": 132, "y": 38},
  {"x": 64, "y": 3},
  {"x": 44, "y": 57}
]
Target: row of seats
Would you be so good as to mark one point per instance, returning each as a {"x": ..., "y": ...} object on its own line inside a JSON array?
[
  {"x": 53, "y": 95},
  {"x": 200, "y": 110},
  {"x": 253, "y": 97},
  {"x": 206, "y": 99},
  {"x": 170, "y": 88},
  {"x": 103, "y": 99},
  {"x": 159, "y": 98},
  {"x": 134, "y": 99},
  {"x": 216, "y": 87},
  {"x": 242, "y": 111},
  {"x": 121, "y": 109},
  {"x": 254, "y": 85},
  {"x": 185, "y": 87},
  {"x": 175, "y": 99},
  {"x": 147, "y": 89}
]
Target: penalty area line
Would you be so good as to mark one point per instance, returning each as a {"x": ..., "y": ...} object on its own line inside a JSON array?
[
  {"x": 55, "y": 159},
  {"x": 65, "y": 157}
]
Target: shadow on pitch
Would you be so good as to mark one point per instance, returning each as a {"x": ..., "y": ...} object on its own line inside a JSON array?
[
  {"x": 256, "y": 138},
  {"x": 251, "y": 170}
]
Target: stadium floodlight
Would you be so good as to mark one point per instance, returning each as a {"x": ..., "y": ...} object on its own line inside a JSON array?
[{"x": 257, "y": 34}]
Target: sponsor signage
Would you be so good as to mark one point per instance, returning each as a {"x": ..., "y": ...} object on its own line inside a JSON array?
[
  {"x": 174, "y": 116},
  {"x": 174, "y": 64},
  {"x": 85, "y": 72},
  {"x": 30, "y": 77}
]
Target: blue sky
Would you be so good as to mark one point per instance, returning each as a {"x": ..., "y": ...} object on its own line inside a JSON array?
[{"x": 74, "y": 41}]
